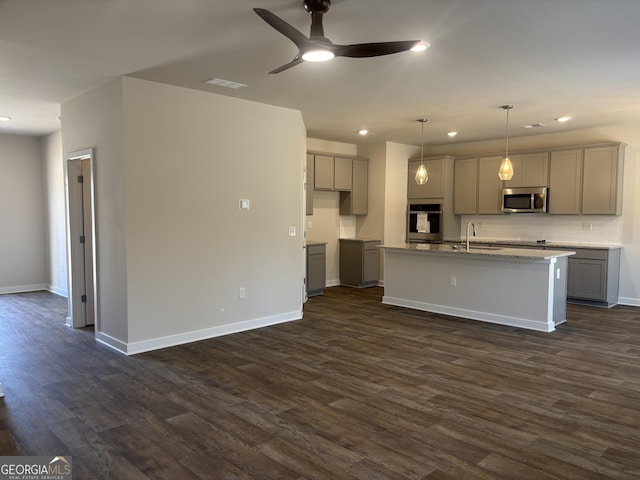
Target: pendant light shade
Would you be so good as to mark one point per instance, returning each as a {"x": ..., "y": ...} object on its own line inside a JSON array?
[
  {"x": 421, "y": 174},
  {"x": 506, "y": 169}
]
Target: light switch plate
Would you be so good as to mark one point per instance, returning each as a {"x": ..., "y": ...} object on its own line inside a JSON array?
[
  {"x": 292, "y": 231},
  {"x": 244, "y": 204}
]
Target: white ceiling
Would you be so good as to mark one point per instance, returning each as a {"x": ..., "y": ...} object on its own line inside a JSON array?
[{"x": 546, "y": 57}]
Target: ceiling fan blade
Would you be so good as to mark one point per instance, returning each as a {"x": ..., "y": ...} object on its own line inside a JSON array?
[
  {"x": 283, "y": 27},
  {"x": 363, "y": 50},
  {"x": 286, "y": 66}
]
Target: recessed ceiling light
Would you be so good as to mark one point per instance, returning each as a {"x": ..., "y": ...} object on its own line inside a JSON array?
[
  {"x": 363, "y": 132},
  {"x": 5, "y": 119},
  {"x": 563, "y": 119},
  {"x": 224, "y": 83},
  {"x": 420, "y": 47},
  {"x": 452, "y": 134}
]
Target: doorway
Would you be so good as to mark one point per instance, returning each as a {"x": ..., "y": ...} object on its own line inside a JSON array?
[{"x": 81, "y": 239}]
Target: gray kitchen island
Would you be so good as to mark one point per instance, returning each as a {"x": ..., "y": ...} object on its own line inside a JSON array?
[{"x": 519, "y": 287}]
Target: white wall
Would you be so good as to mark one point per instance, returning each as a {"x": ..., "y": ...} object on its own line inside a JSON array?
[
  {"x": 326, "y": 224},
  {"x": 190, "y": 156},
  {"x": 95, "y": 119},
  {"x": 54, "y": 191},
  {"x": 22, "y": 213}
]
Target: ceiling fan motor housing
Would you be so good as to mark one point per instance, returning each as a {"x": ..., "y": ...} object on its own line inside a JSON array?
[{"x": 317, "y": 6}]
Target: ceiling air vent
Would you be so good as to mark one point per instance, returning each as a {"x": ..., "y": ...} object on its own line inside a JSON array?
[{"x": 224, "y": 83}]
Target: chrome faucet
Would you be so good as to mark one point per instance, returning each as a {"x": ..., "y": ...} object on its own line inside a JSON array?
[{"x": 475, "y": 234}]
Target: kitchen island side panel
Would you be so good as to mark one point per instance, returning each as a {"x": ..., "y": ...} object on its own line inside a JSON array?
[{"x": 514, "y": 292}]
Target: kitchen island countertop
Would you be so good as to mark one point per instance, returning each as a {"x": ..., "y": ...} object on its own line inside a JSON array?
[{"x": 478, "y": 250}]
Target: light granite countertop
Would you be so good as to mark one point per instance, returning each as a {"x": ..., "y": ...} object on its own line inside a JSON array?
[
  {"x": 478, "y": 250},
  {"x": 538, "y": 244}
]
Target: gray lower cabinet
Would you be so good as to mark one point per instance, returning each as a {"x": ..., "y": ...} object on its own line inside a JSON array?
[
  {"x": 358, "y": 262},
  {"x": 594, "y": 276},
  {"x": 316, "y": 268}
]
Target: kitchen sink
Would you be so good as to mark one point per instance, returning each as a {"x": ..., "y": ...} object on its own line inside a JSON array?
[{"x": 463, "y": 248}]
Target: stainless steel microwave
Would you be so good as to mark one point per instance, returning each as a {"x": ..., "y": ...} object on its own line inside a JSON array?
[{"x": 525, "y": 200}]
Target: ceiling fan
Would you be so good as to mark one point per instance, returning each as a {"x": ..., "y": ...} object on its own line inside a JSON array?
[{"x": 318, "y": 48}]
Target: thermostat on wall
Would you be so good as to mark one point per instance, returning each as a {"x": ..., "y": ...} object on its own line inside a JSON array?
[{"x": 244, "y": 204}]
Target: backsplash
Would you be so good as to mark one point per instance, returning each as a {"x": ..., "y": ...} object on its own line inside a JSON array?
[{"x": 579, "y": 229}]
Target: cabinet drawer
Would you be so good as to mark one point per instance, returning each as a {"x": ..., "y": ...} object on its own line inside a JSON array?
[
  {"x": 315, "y": 249},
  {"x": 590, "y": 254}
]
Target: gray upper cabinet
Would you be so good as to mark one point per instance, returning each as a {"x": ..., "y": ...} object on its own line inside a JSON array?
[
  {"x": 435, "y": 186},
  {"x": 323, "y": 172},
  {"x": 565, "y": 184},
  {"x": 332, "y": 173},
  {"x": 489, "y": 185},
  {"x": 309, "y": 185},
  {"x": 602, "y": 180},
  {"x": 347, "y": 175},
  {"x": 465, "y": 186},
  {"x": 355, "y": 201},
  {"x": 529, "y": 170},
  {"x": 342, "y": 174},
  {"x": 586, "y": 180}
]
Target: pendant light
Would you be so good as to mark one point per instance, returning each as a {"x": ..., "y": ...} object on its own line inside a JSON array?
[
  {"x": 421, "y": 174},
  {"x": 506, "y": 169}
]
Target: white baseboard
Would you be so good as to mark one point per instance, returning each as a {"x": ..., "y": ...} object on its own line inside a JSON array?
[
  {"x": 332, "y": 283},
  {"x": 58, "y": 291},
  {"x": 632, "y": 302},
  {"x": 188, "y": 337},
  {"x": 1, "y": 392},
  {"x": 530, "y": 324},
  {"x": 23, "y": 288}
]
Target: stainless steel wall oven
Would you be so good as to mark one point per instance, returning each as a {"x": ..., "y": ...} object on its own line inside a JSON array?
[{"x": 424, "y": 223}]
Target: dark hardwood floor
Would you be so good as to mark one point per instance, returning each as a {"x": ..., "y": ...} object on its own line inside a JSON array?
[{"x": 355, "y": 390}]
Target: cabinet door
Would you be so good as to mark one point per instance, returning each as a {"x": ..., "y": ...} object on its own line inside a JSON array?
[
  {"x": 588, "y": 279},
  {"x": 309, "y": 185},
  {"x": 565, "y": 182},
  {"x": 359, "y": 191},
  {"x": 599, "y": 181},
  {"x": 529, "y": 170},
  {"x": 434, "y": 188},
  {"x": 342, "y": 174},
  {"x": 489, "y": 185},
  {"x": 323, "y": 172},
  {"x": 465, "y": 186},
  {"x": 370, "y": 265}
]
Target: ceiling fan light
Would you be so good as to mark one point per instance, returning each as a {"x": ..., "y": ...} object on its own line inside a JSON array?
[
  {"x": 319, "y": 55},
  {"x": 420, "y": 47}
]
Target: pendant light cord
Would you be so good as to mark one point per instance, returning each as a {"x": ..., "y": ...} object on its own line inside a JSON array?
[
  {"x": 506, "y": 153},
  {"x": 422, "y": 144}
]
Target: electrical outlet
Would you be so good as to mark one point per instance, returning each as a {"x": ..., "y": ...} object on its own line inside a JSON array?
[
  {"x": 558, "y": 274},
  {"x": 452, "y": 281},
  {"x": 587, "y": 226},
  {"x": 242, "y": 292},
  {"x": 292, "y": 231}
]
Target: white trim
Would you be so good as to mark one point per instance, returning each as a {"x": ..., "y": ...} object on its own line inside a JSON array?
[
  {"x": 332, "y": 283},
  {"x": 472, "y": 314},
  {"x": 188, "y": 337},
  {"x": 111, "y": 342},
  {"x": 1, "y": 393},
  {"x": 632, "y": 302},
  {"x": 23, "y": 288},
  {"x": 57, "y": 291}
]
